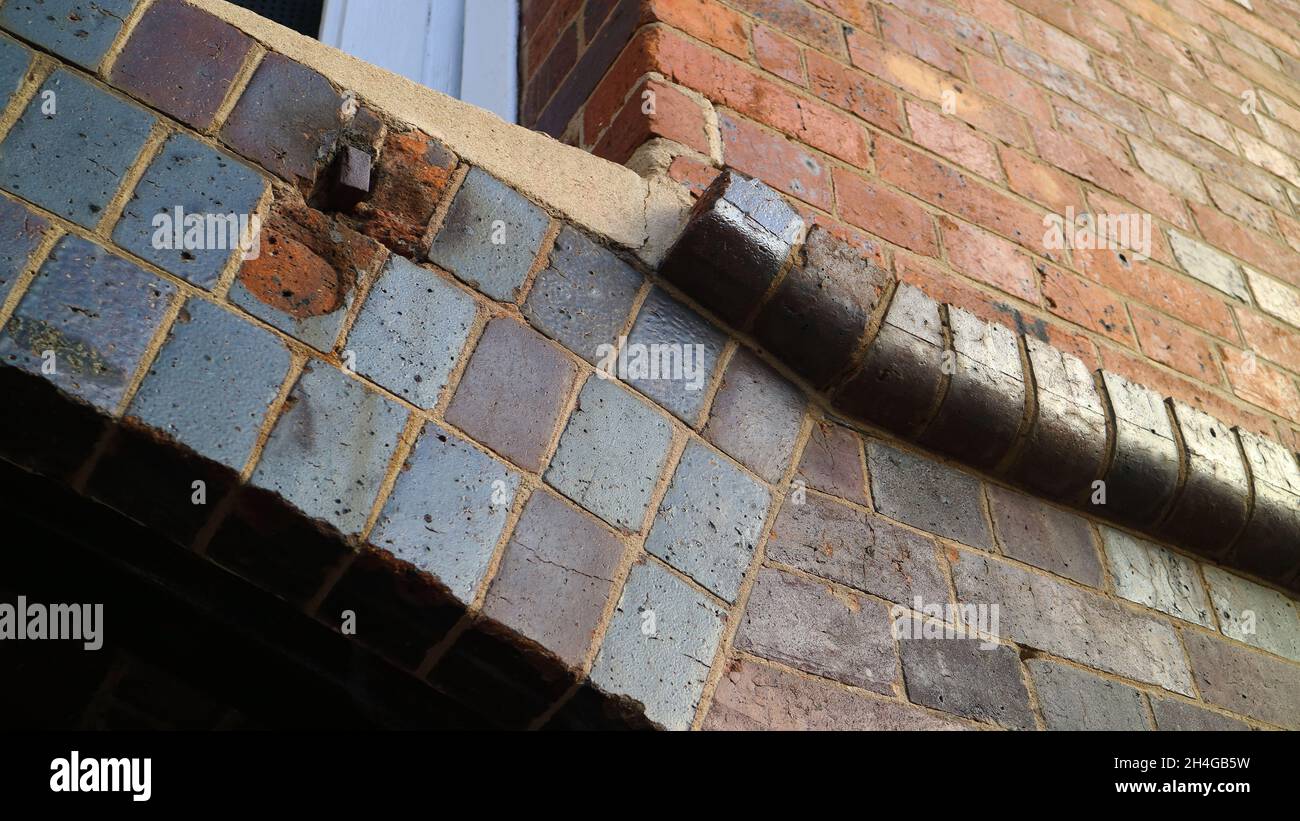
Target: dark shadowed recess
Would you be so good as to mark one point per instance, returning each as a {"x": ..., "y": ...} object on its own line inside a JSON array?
[{"x": 188, "y": 644}]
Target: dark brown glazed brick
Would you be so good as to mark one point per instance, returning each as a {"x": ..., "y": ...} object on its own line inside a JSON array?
[
  {"x": 181, "y": 61},
  {"x": 410, "y": 179},
  {"x": 1210, "y": 510},
  {"x": 736, "y": 241},
  {"x": 555, "y": 578},
  {"x": 821, "y": 309},
  {"x": 1044, "y": 536},
  {"x": 287, "y": 120},
  {"x": 832, "y": 462},
  {"x": 513, "y": 392},
  {"x": 756, "y": 416},
  {"x": 1270, "y": 544},
  {"x": 1144, "y": 470},
  {"x": 968, "y": 678},
  {"x": 1066, "y": 447},
  {"x": 901, "y": 377},
  {"x": 984, "y": 405}
]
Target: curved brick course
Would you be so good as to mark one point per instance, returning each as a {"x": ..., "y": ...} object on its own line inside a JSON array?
[
  {"x": 961, "y": 386},
  {"x": 405, "y": 406}
]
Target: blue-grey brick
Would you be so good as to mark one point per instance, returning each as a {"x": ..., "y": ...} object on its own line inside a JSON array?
[
  {"x": 827, "y": 632},
  {"x": 20, "y": 232},
  {"x": 1069, "y": 621},
  {"x": 15, "y": 59},
  {"x": 1254, "y": 614},
  {"x": 584, "y": 297},
  {"x": 72, "y": 163},
  {"x": 611, "y": 454},
  {"x": 200, "y": 181},
  {"x": 411, "y": 331},
  {"x": 710, "y": 521},
  {"x": 1148, "y": 574},
  {"x": 212, "y": 382},
  {"x": 660, "y": 645},
  {"x": 690, "y": 340},
  {"x": 1179, "y": 715},
  {"x": 330, "y": 449},
  {"x": 1072, "y": 699},
  {"x": 96, "y": 311},
  {"x": 926, "y": 494},
  {"x": 756, "y": 416},
  {"x": 80, "y": 31},
  {"x": 447, "y": 510},
  {"x": 491, "y": 236}
]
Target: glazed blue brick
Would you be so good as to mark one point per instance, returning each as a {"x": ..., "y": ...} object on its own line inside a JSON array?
[
  {"x": 491, "y": 236},
  {"x": 80, "y": 31},
  {"x": 584, "y": 297},
  {"x": 690, "y": 340},
  {"x": 411, "y": 331},
  {"x": 202, "y": 182},
  {"x": 72, "y": 163},
  {"x": 20, "y": 232},
  {"x": 710, "y": 521},
  {"x": 15, "y": 59},
  {"x": 320, "y": 332},
  {"x": 211, "y": 384},
  {"x": 611, "y": 454},
  {"x": 96, "y": 311},
  {"x": 660, "y": 645},
  {"x": 330, "y": 449},
  {"x": 447, "y": 510}
]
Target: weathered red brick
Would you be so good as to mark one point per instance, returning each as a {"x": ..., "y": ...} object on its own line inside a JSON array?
[
  {"x": 886, "y": 213},
  {"x": 667, "y": 113},
  {"x": 1085, "y": 303},
  {"x": 1274, "y": 341},
  {"x": 949, "y": 189},
  {"x": 1157, "y": 286},
  {"x": 705, "y": 20},
  {"x": 779, "y": 55},
  {"x": 1171, "y": 343},
  {"x": 1041, "y": 183},
  {"x": 911, "y": 36},
  {"x": 784, "y": 165},
  {"x": 953, "y": 140},
  {"x": 410, "y": 180},
  {"x": 990, "y": 259},
  {"x": 1260, "y": 383},
  {"x": 799, "y": 20}
]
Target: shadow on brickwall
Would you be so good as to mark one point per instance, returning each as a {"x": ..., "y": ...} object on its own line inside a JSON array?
[{"x": 195, "y": 642}]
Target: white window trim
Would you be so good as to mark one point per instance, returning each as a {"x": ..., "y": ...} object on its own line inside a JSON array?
[{"x": 464, "y": 48}]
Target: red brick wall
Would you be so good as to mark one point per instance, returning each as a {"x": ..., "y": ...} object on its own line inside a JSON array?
[{"x": 941, "y": 133}]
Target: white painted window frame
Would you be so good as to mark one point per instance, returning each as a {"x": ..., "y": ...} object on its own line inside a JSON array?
[{"x": 467, "y": 49}]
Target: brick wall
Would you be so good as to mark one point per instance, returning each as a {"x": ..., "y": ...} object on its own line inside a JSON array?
[
  {"x": 399, "y": 407},
  {"x": 940, "y": 133}
]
